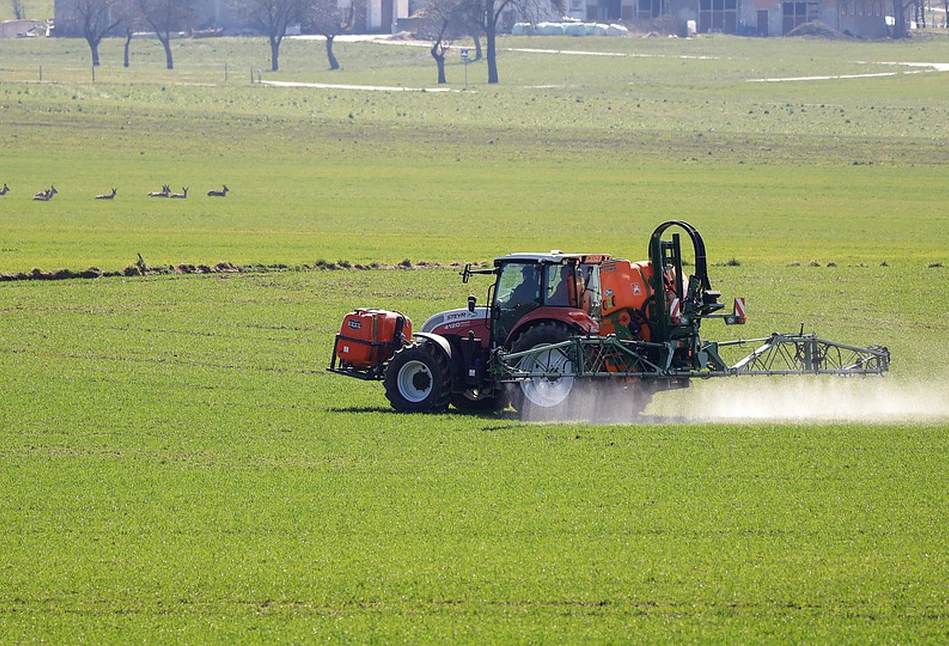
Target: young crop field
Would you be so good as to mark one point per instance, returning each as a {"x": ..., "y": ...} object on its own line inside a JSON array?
[{"x": 177, "y": 466}]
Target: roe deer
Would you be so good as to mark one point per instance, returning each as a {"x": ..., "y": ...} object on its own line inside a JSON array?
[
  {"x": 180, "y": 196},
  {"x": 45, "y": 196},
  {"x": 107, "y": 196},
  {"x": 219, "y": 193}
]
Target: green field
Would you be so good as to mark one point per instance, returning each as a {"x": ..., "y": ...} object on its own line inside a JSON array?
[
  {"x": 177, "y": 466},
  {"x": 32, "y": 10}
]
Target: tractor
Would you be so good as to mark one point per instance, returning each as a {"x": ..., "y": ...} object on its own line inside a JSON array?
[{"x": 557, "y": 323}]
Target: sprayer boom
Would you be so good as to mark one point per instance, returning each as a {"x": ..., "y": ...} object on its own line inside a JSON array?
[
  {"x": 791, "y": 354},
  {"x": 779, "y": 354}
]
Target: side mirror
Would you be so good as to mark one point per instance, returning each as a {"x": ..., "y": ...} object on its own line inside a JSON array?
[{"x": 471, "y": 303}]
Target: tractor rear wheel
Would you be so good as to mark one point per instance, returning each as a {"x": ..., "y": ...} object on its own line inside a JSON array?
[
  {"x": 418, "y": 379},
  {"x": 544, "y": 397}
]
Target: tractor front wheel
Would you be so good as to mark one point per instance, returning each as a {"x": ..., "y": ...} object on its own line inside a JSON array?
[{"x": 418, "y": 379}]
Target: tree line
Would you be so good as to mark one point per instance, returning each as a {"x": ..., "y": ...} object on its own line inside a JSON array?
[
  {"x": 442, "y": 21},
  {"x": 96, "y": 19}
]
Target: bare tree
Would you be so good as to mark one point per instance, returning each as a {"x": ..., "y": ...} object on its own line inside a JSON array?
[
  {"x": 94, "y": 19},
  {"x": 165, "y": 17},
  {"x": 475, "y": 30},
  {"x": 473, "y": 25},
  {"x": 19, "y": 11},
  {"x": 326, "y": 18},
  {"x": 272, "y": 17},
  {"x": 129, "y": 16},
  {"x": 487, "y": 15},
  {"x": 900, "y": 29},
  {"x": 442, "y": 20},
  {"x": 128, "y": 30},
  {"x": 439, "y": 49}
]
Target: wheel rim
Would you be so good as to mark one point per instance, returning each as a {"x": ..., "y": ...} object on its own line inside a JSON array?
[
  {"x": 415, "y": 381},
  {"x": 543, "y": 391}
]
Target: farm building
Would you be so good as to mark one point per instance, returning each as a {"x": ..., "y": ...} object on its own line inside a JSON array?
[{"x": 863, "y": 18}]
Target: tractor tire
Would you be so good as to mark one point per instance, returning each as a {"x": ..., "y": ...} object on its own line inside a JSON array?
[
  {"x": 418, "y": 379},
  {"x": 543, "y": 398},
  {"x": 469, "y": 401}
]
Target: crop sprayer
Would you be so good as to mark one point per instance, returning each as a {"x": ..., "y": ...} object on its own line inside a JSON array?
[{"x": 557, "y": 322}]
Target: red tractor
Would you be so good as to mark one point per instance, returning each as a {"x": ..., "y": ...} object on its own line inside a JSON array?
[{"x": 559, "y": 321}]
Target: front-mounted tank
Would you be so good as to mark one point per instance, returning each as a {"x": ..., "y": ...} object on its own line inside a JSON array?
[{"x": 367, "y": 340}]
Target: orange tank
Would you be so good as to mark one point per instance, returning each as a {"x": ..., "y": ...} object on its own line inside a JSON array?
[
  {"x": 626, "y": 289},
  {"x": 368, "y": 338}
]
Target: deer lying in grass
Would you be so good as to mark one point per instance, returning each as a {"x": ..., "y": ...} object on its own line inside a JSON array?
[
  {"x": 6, "y": 189},
  {"x": 180, "y": 196},
  {"x": 107, "y": 196},
  {"x": 45, "y": 196},
  {"x": 219, "y": 193},
  {"x": 164, "y": 192}
]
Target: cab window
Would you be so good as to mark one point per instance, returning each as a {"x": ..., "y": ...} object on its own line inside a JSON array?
[
  {"x": 518, "y": 284},
  {"x": 561, "y": 285}
]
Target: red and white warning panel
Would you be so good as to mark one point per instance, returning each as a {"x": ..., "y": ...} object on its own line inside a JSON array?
[
  {"x": 738, "y": 313},
  {"x": 675, "y": 311}
]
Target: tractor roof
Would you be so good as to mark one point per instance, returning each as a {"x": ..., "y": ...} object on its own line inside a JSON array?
[{"x": 554, "y": 257}]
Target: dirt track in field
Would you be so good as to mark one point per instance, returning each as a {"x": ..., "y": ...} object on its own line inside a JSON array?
[{"x": 926, "y": 67}]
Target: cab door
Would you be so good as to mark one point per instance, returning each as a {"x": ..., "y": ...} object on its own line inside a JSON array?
[
  {"x": 518, "y": 294},
  {"x": 591, "y": 294}
]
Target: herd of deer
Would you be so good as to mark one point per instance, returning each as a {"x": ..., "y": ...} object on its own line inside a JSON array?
[
  {"x": 47, "y": 195},
  {"x": 166, "y": 192}
]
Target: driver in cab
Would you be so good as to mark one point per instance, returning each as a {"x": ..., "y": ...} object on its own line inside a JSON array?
[{"x": 528, "y": 289}]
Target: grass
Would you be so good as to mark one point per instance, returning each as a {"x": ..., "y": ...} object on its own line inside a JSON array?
[
  {"x": 193, "y": 474},
  {"x": 33, "y": 10},
  {"x": 311, "y": 169},
  {"x": 178, "y": 466}
]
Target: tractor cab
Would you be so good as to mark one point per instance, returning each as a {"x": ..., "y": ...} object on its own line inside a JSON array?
[{"x": 555, "y": 286}]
